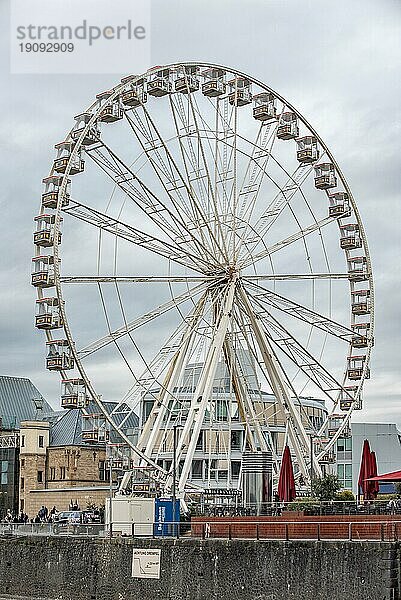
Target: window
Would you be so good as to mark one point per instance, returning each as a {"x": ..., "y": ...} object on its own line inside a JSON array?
[
  {"x": 235, "y": 468},
  {"x": 236, "y": 440},
  {"x": 4, "y": 472},
  {"x": 344, "y": 449},
  {"x": 40, "y": 476},
  {"x": 197, "y": 469},
  {"x": 221, "y": 411},
  {"x": 344, "y": 473},
  {"x": 62, "y": 473},
  {"x": 22, "y": 441},
  {"x": 344, "y": 444},
  {"x": 199, "y": 443},
  {"x": 22, "y": 463},
  {"x": 22, "y": 483},
  {"x": 102, "y": 470},
  {"x": 41, "y": 441},
  {"x": 52, "y": 473},
  {"x": 22, "y": 504}
]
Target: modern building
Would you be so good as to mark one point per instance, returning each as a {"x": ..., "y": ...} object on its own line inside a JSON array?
[
  {"x": 19, "y": 400},
  {"x": 384, "y": 440},
  {"x": 217, "y": 459}
]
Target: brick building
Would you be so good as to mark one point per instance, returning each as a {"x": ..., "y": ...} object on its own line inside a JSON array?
[{"x": 56, "y": 467}]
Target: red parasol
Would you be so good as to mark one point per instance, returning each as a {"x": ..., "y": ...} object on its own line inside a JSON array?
[
  {"x": 374, "y": 485},
  {"x": 364, "y": 471},
  {"x": 286, "y": 483},
  {"x": 392, "y": 477}
]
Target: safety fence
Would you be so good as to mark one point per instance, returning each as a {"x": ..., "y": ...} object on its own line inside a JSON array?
[{"x": 253, "y": 529}]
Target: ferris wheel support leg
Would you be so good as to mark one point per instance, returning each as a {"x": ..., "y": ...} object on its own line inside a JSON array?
[
  {"x": 296, "y": 431},
  {"x": 203, "y": 389},
  {"x": 155, "y": 420}
]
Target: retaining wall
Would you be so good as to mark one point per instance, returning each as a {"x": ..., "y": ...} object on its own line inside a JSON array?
[{"x": 99, "y": 569}]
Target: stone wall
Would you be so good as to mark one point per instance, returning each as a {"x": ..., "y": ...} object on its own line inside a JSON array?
[
  {"x": 99, "y": 569},
  {"x": 63, "y": 468}
]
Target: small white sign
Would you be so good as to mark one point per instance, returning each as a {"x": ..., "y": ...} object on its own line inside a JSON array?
[{"x": 146, "y": 563}]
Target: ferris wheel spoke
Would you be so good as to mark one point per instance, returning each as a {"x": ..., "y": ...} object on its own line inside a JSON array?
[
  {"x": 201, "y": 173},
  {"x": 283, "y": 390},
  {"x": 164, "y": 169},
  {"x": 243, "y": 398},
  {"x": 123, "y": 176},
  {"x": 299, "y": 235},
  {"x": 121, "y": 230},
  {"x": 173, "y": 180},
  {"x": 116, "y": 279},
  {"x": 139, "y": 321},
  {"x": 295, "y": 276},
  {"x": 250, "y": 188},
  {"x": 246, "y": 333},
  {"x": 295, "y": 351},
  {"x": 151, "y": 376},
  {"x": 162, "y": 409},
  {"x": 300, "y": 312},
  {"x": 281, "y": 200},
  {"x": 146, "y": 200}
]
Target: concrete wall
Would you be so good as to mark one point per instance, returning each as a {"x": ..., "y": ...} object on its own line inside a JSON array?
[{"x": 88, "y": 569}]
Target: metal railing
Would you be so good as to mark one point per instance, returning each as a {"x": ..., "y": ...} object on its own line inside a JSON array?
[
  {"x": 224, "y": 528},
  {"x": 308, "y": 506},
  {"x": 20, "y": 529}
]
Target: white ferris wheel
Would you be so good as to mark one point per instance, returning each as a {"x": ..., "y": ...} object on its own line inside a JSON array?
[{"x": 212, "y": 253}]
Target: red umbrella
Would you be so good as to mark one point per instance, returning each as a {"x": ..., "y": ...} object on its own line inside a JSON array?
[
  {"x": 365, "y": 472},
  {"x": 373, "y": 473},
  {"x": 286, "y": 483},
  {"x": 392, "y": 477}
]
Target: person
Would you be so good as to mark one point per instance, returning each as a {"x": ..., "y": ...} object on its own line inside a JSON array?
[
  {"x": 392, "y": 506},
  {"x": 52, "y": 514}
]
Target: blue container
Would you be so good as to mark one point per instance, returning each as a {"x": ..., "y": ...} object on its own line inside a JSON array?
[{"x": 163, "y": 526}]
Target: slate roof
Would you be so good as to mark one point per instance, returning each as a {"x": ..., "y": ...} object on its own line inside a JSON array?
[
  {"x": 17, "y": 395},
  {"x": 66, "y": 426}
]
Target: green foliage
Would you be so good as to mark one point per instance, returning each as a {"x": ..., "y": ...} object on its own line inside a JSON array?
[
  {"x": 301, "y": 504},
  {"x": 345, "y": 496},
  {"x": 398, "y": 489},
  {"x": 326, "y": 488},
  {"x": 386, "y": 497}
]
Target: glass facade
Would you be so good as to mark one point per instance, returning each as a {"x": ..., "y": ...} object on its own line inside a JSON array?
[
  {"x": 344, "y": 473},
  {"x": 9, "y": 480}
]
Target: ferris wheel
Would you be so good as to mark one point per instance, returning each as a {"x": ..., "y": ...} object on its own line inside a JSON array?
[{"x": 208, "y": 253}]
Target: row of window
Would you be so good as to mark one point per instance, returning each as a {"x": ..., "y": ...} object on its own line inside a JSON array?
[
  {"x": 41, "y": 441},
  {"x": 103, "y": 473}
]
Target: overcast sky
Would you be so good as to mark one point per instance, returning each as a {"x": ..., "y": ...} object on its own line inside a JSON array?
[{"x": 337, "y": 62}]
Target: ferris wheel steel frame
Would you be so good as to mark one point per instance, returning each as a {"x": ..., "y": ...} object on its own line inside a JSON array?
[{"x": 213, "y": 257}]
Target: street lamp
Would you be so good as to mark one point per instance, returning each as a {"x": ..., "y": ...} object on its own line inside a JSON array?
[
  {"x": 108, "y": 451},
  {"x": 173, "y": 494}
]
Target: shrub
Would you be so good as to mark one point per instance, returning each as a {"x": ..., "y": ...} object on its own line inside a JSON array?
[{"x": 345, "y": 495}]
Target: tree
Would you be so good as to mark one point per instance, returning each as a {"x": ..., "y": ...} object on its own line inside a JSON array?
[{"x": 326, "y": 488}]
